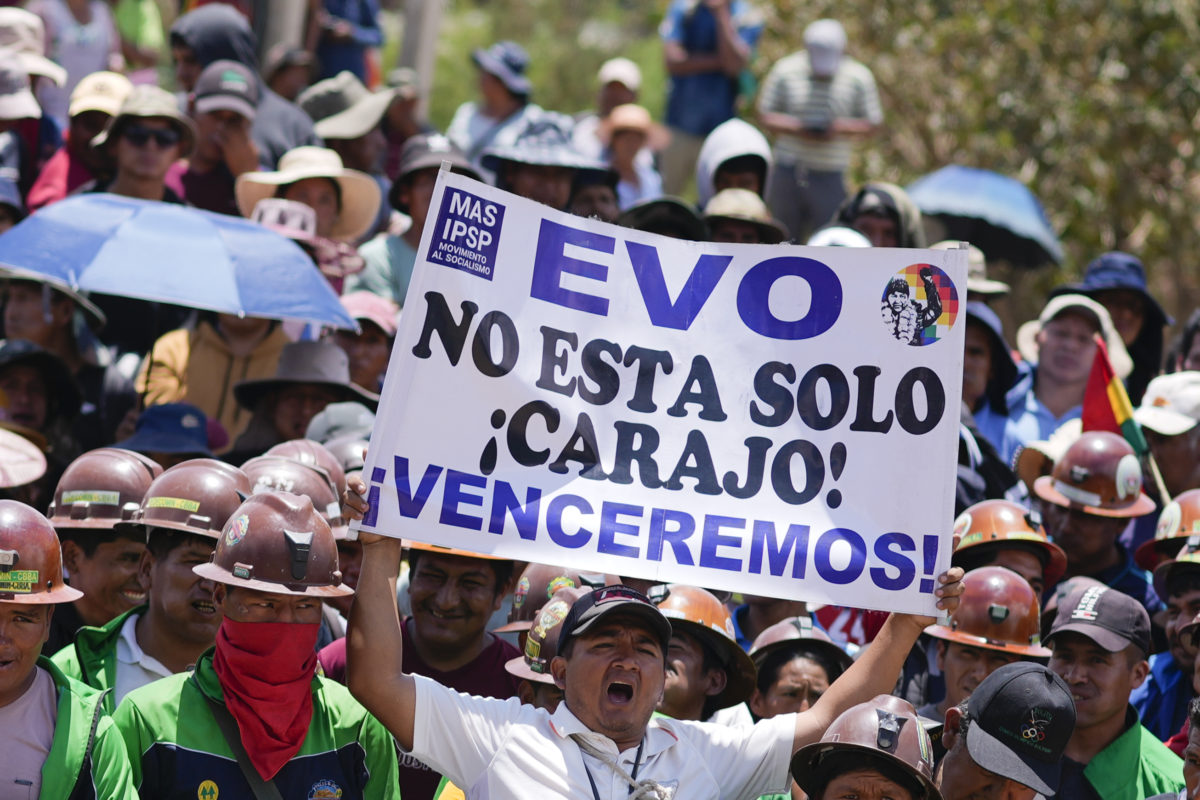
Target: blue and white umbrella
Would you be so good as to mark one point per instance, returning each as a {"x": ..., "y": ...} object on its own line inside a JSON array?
[
  {"x": 994, "y": 212},
  {"x": 171, "y": 254}
]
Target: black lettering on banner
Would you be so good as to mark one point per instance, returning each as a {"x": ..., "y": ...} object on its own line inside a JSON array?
[{"x": 440, "y": 320}]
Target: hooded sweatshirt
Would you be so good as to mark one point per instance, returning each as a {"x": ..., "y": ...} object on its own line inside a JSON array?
[
  {"x": 214, "y": 32},
  {"x": 893, "y": 198},
  {"x": 730, "y": 139}
]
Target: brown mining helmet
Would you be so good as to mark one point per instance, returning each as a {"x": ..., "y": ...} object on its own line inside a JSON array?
[
  {"x": 1099, "y": 474},
  {"x": 799, "y": 634},
  {"x": 697, "y": 612},
  {"x": 30, "y": 558},
  {"x": 1179, "y": 520},
  {"x": 196, "y": 496},
  {"x": 277, "y": 542},
  {"x": 306, "y": 451},
  {"x": 101, "y": 488},
  {"x": 1186, "y": 561},
  {"x": 537, "y": 585},
  {"x": 994, "y": 522},
  {"x": 886, "y": 728},
  {"x": 998, "y": 610},
  {"x": 541, "y": 646},
  {"x": 280, "y": 474}
]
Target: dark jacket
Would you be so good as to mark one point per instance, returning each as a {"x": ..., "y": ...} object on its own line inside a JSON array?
[{"x": 214, "y": 32}]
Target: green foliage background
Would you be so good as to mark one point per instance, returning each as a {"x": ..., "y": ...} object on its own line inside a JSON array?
[{"x": 1094, "y": 105}]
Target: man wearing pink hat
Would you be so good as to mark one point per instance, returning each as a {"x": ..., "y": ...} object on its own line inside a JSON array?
[{"x": 369, "y": 350}]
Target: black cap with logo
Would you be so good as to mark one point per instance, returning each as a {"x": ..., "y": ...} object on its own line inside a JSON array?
[
  {"x": 594, "y": 605},
  {"x": 227, "y": 86},
  {"x": 1022, "y": 717},
  {"x": 1110, "y": 618}
]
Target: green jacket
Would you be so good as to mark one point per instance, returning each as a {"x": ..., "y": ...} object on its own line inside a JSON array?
[
  {"x": 73, "y": 771},
  {"x": 1134, "y": 766},
  {"x": 177, "y": 750},
  {"x": 92, "y": 658}
]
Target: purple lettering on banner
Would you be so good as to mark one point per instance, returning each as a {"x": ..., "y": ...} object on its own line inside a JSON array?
[
  {"x": 755, "y": 289},
  {"x": 550, "y": 262},
  {"x": 611, "y": 527},
  {"x": 467, "y": 234},
  {"x": 700, "y": 284},
  {"x": 453, "y": 496},
  {"x": 712, "y": 538},
  {"x": 554, "y": 514},
  {"x": 890, "y": 549},
  {"x": 763, "y": 541},
  {"x": 858, "y": 556},
  {"x": 673, "y": 528},
  {"x": 410, "y": 504},
  {"x": 524, "y": 516}
]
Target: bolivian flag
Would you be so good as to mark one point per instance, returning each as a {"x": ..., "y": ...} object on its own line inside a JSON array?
[{"x": 1106, "y": 406}]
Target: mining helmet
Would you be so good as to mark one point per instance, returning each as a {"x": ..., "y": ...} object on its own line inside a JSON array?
[
  {"x": 537, "y": 584},
  {"x": 995, "y": 522},
  {"x": 277, "y": 542},
  {"x": 101, "y": 488},
  {"x": 541, "y": 646},
  {"x": 282, "y": 474},
  {"x": 798, "y": 633},
  {"x": 196, "y": 496},
  {"x": 30, "y": 558},
  {"x": 306, "y": 451},
  {"x": 887, "y": 729},
  {"x": 697, "y": 612},
  {"x": 1098, "y": 474},
  {"x": 1179, "y": 520},
  {"x": 998, "y": 610},
  {"x": 1187, "y": 561}
]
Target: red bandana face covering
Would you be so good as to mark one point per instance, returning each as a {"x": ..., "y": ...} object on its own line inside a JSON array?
[{"x": 266, "y": 671}]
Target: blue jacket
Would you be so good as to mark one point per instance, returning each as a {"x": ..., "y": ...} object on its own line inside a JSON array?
[{"x": 1162, "y": 700}]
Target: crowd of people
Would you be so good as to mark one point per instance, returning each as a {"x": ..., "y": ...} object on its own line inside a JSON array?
[{"x": 184, "y": 614}]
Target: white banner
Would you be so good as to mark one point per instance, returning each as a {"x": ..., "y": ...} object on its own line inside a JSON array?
[{"x": 771, "y": 419}]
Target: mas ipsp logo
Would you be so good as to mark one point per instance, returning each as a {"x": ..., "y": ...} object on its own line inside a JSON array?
[{"x": 467, "y": 234}]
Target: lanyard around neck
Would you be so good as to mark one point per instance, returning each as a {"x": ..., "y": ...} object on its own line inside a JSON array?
[{"x": 637, "y": 762}]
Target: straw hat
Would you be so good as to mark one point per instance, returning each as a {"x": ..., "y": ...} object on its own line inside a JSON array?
[
  {"x": 23, "y": 32},
  {"x": 632, "y": 117},
  {"x": 360, "y": 193},
  {"x": 743, "y": 205}
]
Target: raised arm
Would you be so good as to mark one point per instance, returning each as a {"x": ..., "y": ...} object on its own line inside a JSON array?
[
  {"x": 374, "y": 645},
  {"x": 876, "y": 671}
]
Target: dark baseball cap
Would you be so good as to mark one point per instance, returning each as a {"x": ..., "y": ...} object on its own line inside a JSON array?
[
  {"x": 227, "y": 86},
  {"x": 426, "y": 151},
  {"x": 1022, "y": 717},
  {"x": 1110, "y": 618},
  {"x": 595, "y": 605}
]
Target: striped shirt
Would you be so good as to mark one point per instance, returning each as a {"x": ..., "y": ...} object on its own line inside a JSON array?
[{"x": 790, "y": 88}]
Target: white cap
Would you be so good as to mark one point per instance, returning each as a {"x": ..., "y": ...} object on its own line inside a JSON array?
[
  {"x": 838, "y": 236},
  {"x": 825, "y": 41},
  {"x": 1171, "y": 405},
  {"x": 622, "y": 71}
]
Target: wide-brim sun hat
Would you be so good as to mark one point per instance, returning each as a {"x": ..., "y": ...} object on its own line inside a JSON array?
[
  {"x": 632, "y": 117},
  {"x": 507, "y": 62},
  {"x": 320, "y": 363},
  {"x": 360, "y": 195},
  {"x": 743, "y": 205}
]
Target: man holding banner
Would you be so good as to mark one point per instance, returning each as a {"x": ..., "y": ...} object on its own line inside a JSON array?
[
  {"x": 707, "y": 414},
  {"x": 611, "y": 670}
]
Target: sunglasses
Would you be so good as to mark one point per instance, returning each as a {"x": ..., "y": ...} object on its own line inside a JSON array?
[{"x": 163, "y": 138}]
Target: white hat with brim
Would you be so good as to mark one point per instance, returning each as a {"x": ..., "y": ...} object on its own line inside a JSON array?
[
  {"x": 23, "y": 32},
  {"x": 1027, "y": 334},
  {"x": 978, "y": 283},
  {"x": 359, "y": 192},
  {"x": 16, "y": 99},
  {"x": 1171, "y": 404},
  {"x": 357, "y": 120}
]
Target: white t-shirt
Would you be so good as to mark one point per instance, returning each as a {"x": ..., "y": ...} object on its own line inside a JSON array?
[
  {"x": 501, "y": 749},
  {"x": 134, "y": 668},
  {"x": 28, "y": 725}
]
